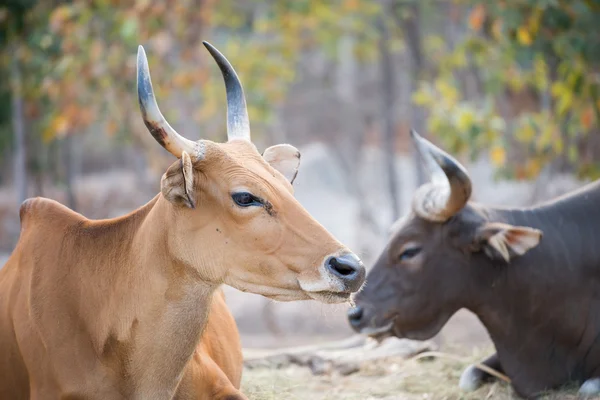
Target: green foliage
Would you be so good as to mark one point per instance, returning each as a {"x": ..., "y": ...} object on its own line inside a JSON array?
[
  {"x": 79, "y": 56},
  {"x": 537, "y": 61}
]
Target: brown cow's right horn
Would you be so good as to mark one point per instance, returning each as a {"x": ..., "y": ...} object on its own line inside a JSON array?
[
  {"x": 450, "y": 187},
  {"x": 153, "y": 118}
]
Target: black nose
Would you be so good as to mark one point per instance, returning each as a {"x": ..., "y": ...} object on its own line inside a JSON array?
[
  {"x": 355, "y": 315},
  {"x": 349, "y": 269}
]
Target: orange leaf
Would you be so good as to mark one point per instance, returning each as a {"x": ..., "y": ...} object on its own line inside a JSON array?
[
  {"x": 587, "y": 117},
  {"x": 59, "y": 16},
  {"x": 477, "y": 17},
  {"x": 111, "y": 127}
]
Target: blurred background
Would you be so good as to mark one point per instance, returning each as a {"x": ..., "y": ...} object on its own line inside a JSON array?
[{"x": 511, "y": 88}]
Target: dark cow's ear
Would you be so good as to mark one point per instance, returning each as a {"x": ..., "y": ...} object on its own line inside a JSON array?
[
  {"x": 177, "y": 184},
  {"x": 506, "y": 240},
  {"x": 284, "y": 158}
]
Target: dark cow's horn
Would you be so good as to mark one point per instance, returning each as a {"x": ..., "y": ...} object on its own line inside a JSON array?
[
  {"x": 153, "y": 118},
  {"x": 238, "y": 123},
  {"x": 450, "y": 187}
]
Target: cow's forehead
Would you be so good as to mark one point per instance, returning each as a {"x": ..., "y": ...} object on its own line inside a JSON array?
[
  {"x": 245, "y": 155},
  {"x": 401, "y": 223}
]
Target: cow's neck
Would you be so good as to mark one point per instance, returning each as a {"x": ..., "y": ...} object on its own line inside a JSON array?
[{"x": 154, "y": 303}]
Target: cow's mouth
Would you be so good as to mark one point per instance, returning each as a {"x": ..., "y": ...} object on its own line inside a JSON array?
[
  {"x": 330, "y": 297},
  {"x": 381, "y": 332}
]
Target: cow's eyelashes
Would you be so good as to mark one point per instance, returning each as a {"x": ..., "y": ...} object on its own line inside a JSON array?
[
  {"x": 409, "y": 253},
  {"x": 245, "y": 199}
]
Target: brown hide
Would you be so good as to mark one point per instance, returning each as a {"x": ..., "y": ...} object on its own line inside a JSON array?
[{"x": 91, "y": 355}]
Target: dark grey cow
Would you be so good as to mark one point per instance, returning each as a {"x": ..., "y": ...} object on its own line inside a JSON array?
[{"x": 538, "y": 298}]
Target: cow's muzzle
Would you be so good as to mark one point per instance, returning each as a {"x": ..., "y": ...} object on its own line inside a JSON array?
[
  {"x": 348, "y": 269},
  {"x": 367, "y": 326},
  {"x": 340, "y": 275}
]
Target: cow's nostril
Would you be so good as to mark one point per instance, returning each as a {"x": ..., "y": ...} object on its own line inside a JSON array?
[
  {"x": 355, "y": 315},
  {"x": 341, "y": 268},
  {"x": 348, "y": 269}
]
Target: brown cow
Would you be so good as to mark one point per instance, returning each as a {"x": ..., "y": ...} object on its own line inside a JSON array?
[{"x": 130, "y": 308}]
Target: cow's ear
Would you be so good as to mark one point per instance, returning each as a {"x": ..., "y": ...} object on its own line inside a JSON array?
[
  {"x": 285, "y": 159},
  {"x": 177, "y": 184},
  {"x": 507, "y": 240}
]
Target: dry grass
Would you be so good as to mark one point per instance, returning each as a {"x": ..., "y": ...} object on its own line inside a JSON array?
[{"x": 432, "y": 379}]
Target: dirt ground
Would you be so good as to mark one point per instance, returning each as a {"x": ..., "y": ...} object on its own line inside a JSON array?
[
  {"x": 463, "y": 339},
  {"x": 397, "y": 379}
]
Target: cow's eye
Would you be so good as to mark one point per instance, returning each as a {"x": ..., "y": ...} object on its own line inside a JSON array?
[
  {"x": 409, "y": 253},
  {"x": 245, "y": 199}
]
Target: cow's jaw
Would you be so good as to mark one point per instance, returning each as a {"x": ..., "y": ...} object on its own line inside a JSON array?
[{"x": 425, "y": 332}]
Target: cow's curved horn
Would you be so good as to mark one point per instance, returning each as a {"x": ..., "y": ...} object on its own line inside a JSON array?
[
  {"x": 450, "y": 187},
  {"x": 153, "y": 118},
  {"x": 238, "y": 123}
]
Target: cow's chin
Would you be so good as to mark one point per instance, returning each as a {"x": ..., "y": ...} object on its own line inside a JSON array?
[
  {"x": 394, "y": 327},
  {"x": 425, "y": 332},
  {"x": 329, "y": 297},
  {"x": 322, "y": 297}
]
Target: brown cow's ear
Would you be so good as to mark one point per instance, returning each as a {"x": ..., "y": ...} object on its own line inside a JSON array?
[
  {"x": 285, "y": 159},
  {"x": 507, "y": 239},
  {"x": 177, "y": 184}
]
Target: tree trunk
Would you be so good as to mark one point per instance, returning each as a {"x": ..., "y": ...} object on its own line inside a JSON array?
[
  {"x": 387, "y": 108},
  {"x": 18, "y": 123},
  {"x": 411, "y": 27}
]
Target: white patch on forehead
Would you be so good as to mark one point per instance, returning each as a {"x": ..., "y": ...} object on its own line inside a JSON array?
[{"x": 399, "y": 224}]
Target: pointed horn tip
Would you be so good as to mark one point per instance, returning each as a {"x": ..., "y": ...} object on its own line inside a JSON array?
[
  {"x": 141, "y": 52},
  {"x": 211, "y": 49}
]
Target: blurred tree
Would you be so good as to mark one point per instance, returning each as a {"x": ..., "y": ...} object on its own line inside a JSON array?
[
  {"x": 13, "y": 28},
  {"x": 537, "y": 64},
  {"x": 387, "y": 106}
]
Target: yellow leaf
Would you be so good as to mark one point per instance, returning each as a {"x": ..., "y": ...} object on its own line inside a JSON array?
[
  {"x": 465, "y": 120},
  {"x": 533, "y": 167},
  {"x": 498, "y": 156},
  {"x": 57, "y": 127},
  {"x": 524, "y": 36},
  {"x": 526, "y": 133},
  {"x": 421, "y": 97}
]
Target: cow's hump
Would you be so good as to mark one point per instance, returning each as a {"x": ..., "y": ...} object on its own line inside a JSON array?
[{"x": 39, "y": 209}]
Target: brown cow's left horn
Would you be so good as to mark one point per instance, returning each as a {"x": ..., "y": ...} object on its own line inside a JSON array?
[
  {"x": 450, "y": 187},
  {"x": 238, "y": 123},
  {"x": 153, "y": 118}
]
